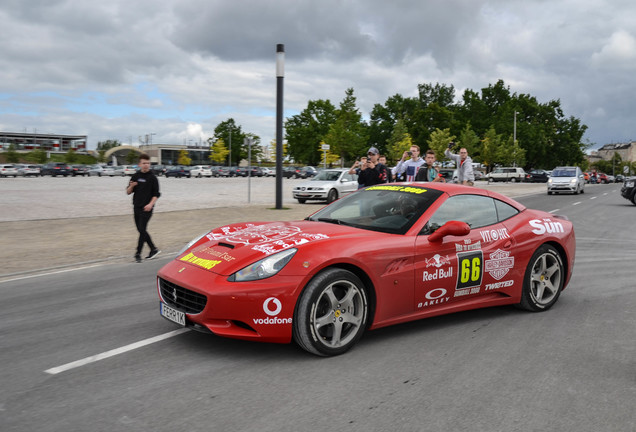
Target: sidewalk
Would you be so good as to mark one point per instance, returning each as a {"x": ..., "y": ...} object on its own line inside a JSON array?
[{"x": 29, "y": 246}]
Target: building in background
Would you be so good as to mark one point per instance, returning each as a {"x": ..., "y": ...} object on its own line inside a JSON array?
[{"x": 25, "y": 142}]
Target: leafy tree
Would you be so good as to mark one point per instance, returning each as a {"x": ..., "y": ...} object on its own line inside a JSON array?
[
  {"x": 132, "y": 157},
  {"x": 490, "y": 149},
  {"x": 37, "y": 156},
  {"x": 256, "y": 151},
  {"x": 184, "y": 159},
  {"x": 12, "y": 155},
  {"x": 399, "y": 142},
  {"x": 272, "y": 149},
  {"x": 70, "y": 157},
  {"x": 348, "y": 135},
  {"x": 305, "y": 130},
  {"x": 439, "y": 142},
  {"x": 469, "y": 139},
  {"x": 218, "y": 151},
  {"x": 234, "y": 137},
  {"x": 383, "y": 119}
]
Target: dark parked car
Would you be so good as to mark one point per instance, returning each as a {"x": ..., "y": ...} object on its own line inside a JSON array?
[
  {"x": 235, "y": 171},
  {"x": 308, "y": 172},
  {"x": 537, "y": 176},
  {"x": 55, "y": 169},
  {"x": 79, "y": 170},
  {"x": 291, "y": 172},
  {"x": 628, "y": 191},
  {"x": 178, "y": 171},
  {"x": 254, "y": 172},
  {"x": 158, "y": 170}
]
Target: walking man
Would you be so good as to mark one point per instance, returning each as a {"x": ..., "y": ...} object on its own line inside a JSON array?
[{"x": 145, "y": 187}]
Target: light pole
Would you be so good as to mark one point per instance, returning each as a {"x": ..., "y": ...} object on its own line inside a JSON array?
[
  {"x": 280, "y": 76},
  {"x": 514, "y": 129},
  {"x": 151, "y": 137}
]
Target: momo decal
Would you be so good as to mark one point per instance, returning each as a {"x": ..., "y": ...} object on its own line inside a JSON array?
[
  {"x": 546, "y": 226},
  {"x": 437, "y": 260},
  {"x": 470, "y": 272},
  {"x": 268, "y": 238},
  {"x": 499, "y": 264},
  {"x": 201, "y": 262},
  {"x": 272, "y": 307},
  {"x": 494, "y": 235},
  {"x": 204, "y": 250},
  {"x": 433, "y": 297},
  {"x": 467, "y": 246}
]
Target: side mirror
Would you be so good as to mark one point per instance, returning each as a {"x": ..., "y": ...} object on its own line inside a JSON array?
[{"x": 454, "y": 228}]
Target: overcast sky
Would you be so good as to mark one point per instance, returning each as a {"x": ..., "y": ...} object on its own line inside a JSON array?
[{"x": 177, "y": 68}]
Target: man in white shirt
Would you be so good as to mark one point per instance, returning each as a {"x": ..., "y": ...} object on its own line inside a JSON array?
[{"x": 410, "y": 166}]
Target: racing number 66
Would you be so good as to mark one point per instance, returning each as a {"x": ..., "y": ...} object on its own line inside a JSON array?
[{"x": 470, "y": 269}]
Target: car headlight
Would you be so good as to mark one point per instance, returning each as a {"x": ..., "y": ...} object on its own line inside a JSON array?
[
  {"x": 264, "y": 268},
  {"x": 189, "y": 245},
  {"x": 573, "y": 181},
  {"x": 549, "y": 181}
]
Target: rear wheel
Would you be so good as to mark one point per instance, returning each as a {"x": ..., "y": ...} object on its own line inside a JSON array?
[
  {"x": 331, "y": 314},
  {"x": 332, "y": 196},
  {"x": 543, "y": 280},
  {"x": 513, "y": 180}
]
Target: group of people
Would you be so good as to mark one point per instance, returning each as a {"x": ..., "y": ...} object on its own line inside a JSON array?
[{"x": 373, "y": 170}]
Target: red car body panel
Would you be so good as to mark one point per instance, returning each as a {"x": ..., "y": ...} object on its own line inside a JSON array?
[{"x": 407, "y": 276}]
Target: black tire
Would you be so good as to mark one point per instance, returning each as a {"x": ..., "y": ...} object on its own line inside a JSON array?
[
  {"x": 301, "y": 200},
  {"x": 633, "y": 200},
  {"x": 332, "y": 196},
  {"x": 549, "y": 193},
  {"x": 491, "y": 180},
  {"x": 543, "y": 280},
  {"x": 331, "y": 314},
  {"x": 513, "y": 180}
]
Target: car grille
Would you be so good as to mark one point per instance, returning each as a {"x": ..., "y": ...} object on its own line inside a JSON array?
[{"x": 181, "y": 298}]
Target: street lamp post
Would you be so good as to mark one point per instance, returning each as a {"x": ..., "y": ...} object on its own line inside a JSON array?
[
  {"x": 514, "y": 133},
  {"x": 280, "y": 76}
]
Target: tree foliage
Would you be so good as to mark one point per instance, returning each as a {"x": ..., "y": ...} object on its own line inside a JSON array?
[
  {"x": 218, "y": 150},
  {"x": 184, "y": 159}
]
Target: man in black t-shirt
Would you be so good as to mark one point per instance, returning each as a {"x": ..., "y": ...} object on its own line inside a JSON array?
[{"x": 145, "y": 186}]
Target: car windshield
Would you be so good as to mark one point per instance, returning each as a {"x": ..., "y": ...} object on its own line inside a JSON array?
[
  {"x": 564, "y": 173},
  {"x": 327, "y": 176},
  {"x": 386, "y": 208}
]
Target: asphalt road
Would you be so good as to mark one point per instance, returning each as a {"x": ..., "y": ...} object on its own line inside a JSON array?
[{"x": 572, "y": 368}]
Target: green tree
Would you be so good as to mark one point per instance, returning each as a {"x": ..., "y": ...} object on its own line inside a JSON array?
[
  {"x": 306, "y": 130},
  {"x": 107, "y": 145},
  {"x": 399, "y": 142},
  {"x": 12, "y": 155},
  {"x": 218, "y": 151},
  {"x": 132, "y": 157},
  {"x": 272, "y": 149},
  {"x": 70, "y": 157},
  {"x": 348, "y": 135},
  {"x": 469, "y": 139},
  {"x": 184, "y": 159},
  {"x": 233, "y": 136},
  {"x": 37, "y": 156},
  {"x": 438, "y": 142}
]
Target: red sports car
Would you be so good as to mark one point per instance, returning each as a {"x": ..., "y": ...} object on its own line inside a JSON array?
[{"x": 383, "y": 255}]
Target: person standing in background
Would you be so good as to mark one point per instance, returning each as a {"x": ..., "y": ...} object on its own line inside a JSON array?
[
  {"x": 412, "y": 165},
  {"x": 464, "y": 164}
]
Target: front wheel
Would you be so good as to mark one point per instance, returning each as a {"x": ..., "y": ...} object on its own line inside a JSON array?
[
  {"x": 543, "y": 281},
  {"x": 332, "y": 196},
  {"x": 331, "y": 314},
  {"x": 513, "y": 180}
]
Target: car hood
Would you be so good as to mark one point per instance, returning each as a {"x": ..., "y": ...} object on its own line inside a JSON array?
[
  {"x": 315, "y": 183},
  {"x": 228, "y": 249}
]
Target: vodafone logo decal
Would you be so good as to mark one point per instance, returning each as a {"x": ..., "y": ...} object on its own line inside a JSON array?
[{"x": 272, "y": 310}]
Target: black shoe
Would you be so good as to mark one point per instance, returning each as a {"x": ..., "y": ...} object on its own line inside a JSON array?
[
  {"x": 138, "y": 258},
  {"x": 153, "y": 253}
]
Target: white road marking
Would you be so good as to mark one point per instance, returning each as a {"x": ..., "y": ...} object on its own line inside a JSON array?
[
  {"x": 114, "y": 352},
  {"x": 593, "y": 197},
  {"x": 554, "y": 211},
  {"x": 576, "y": 203},
  {"x": 50, "y": 273}
]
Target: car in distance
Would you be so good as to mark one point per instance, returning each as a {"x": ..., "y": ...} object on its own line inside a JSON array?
[
  {"x": 537, "y": 176},
  {"x": 27, "y": 170},
  {"x": 55, "y": 169},
  {"x": 507, "y": 174},
  {"x": 200, "y": 171},
  {"x": 129, "y": 170},
  {"x": 380, "y": 256},
  {"x": 8, "y": 170},
  {"x": 79, "y": 170},
  {"x": 178, "y": 171},
  {"x": 603, "y": 179},
  {"x": 566, "y": 179},
  {"x": 268, "y": 172},
  {"x": 328, "y": 185}
]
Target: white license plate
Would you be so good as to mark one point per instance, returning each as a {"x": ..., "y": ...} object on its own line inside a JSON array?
[{"x": 172, "y": 314}]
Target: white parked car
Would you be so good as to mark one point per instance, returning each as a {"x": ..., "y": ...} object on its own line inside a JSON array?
[
  {"x": 511, "y": 174},
  {"x": 7, "y": 170},
  {"x": 129, "y": 170},
  {"x": 328, "y": 185},
  {"x": 96, "y": 170},
  {"x": 268, "y": 172},
  {"x": 26, "y": 170},
  {"x": 200, "y": 171}
]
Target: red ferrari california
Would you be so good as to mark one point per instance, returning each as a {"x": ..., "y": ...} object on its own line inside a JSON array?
[{"x": 383, "y": 255}]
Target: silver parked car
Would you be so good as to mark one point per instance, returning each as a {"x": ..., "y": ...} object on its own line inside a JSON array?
[
  {"x": 566, "y": 179},
  {"x": 328, "y": 185}
]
